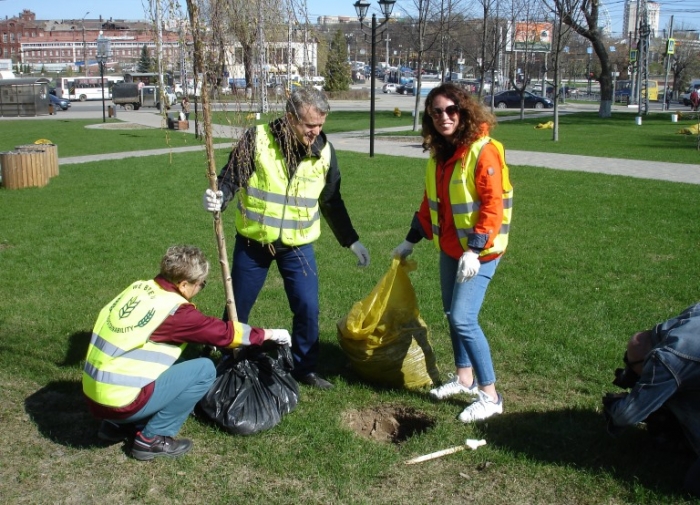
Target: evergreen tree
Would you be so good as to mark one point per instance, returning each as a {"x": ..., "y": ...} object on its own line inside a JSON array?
[
  {"x": 145, "y": 61},
  {"x": 337, "y": 72}
]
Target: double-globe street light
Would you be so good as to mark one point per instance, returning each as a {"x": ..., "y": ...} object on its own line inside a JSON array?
[{"x": 361, "y": 7}]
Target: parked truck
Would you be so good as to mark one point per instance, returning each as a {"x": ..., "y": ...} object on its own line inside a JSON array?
[{"x": 132, "y": 97}]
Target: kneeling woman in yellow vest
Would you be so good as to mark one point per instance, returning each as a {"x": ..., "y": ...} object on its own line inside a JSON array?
[{"x": 132, "y": 379}]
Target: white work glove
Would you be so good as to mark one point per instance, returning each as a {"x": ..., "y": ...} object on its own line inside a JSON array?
[
  {"x": 212, "y": 201},
  {"x": 468, "y": 266},
  {"x": 403, "y": 250},
  {"x": 282, "y": 337},
  {"x": 362, "y": 254}
]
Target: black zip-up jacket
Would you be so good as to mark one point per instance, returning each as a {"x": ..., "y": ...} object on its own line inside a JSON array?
[{"x": 241, "y": 165}]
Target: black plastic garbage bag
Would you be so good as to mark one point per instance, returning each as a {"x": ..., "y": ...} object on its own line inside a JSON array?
[{"x": 252, "y": 391}]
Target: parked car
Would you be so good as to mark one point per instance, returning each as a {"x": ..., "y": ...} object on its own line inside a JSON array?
[
  {"x": 63, "y": 103},
  {"x": 405, "y": 89},
  {"x": 511, "y": 100},
  {"x": 389, "y": 87}
]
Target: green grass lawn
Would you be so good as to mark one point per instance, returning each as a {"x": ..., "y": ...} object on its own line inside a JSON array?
[
  {"x": 73, "y": 137},
  {"x": 584, "y": 133},
  {"x": 592, "y": 258}
]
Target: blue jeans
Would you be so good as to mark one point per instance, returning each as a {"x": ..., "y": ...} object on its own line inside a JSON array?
[
  {"x": 176, "y": 393},
  {"x": 462, "y": 303},
  {"x": 297, "y": 266}
]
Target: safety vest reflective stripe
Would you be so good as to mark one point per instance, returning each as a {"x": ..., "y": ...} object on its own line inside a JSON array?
[
  {"x": 465, "y": 208},
  {"x": 284, "y": 224},
  {"x": 241, "y": 335},
  {"x": 116, "y": 378},
  {"x": 274, "y": 206},
  {"x": 280, "y": 199},
  {"x": 121, "y": 359},
  {"x": 464, "y": 232},
  {"x": 148, "y": 355}
]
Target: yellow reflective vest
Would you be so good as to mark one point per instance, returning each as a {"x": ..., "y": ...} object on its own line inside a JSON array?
[
  {"x": 274, "y": 206},
  {"x": 121, "y": 359},
  {"x": 464, "y": 199}
]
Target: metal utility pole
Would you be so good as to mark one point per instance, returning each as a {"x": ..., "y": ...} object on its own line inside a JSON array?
[
  {"x": 262, "y": 81},
  {"x": 288, "y": 85},
  {"x": 159, "y": 52},
  {"x": 643, "y": 58},
  {"x": 82, "y": 23},
  {"x": 669, "y": 55},
  {"x": 387, "y": 40}
]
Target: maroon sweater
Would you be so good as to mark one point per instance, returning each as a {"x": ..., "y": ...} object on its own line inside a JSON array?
[{"x": 186, "y": 325}]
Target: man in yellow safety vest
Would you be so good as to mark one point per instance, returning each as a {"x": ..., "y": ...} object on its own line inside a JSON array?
[{"x": 285, "y": 175}]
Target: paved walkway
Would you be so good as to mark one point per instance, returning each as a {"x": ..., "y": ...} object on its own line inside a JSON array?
[{"x": 359, "y": 142}]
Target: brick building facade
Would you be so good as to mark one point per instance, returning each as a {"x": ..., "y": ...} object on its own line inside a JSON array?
[{"x": 58, "y": 44}]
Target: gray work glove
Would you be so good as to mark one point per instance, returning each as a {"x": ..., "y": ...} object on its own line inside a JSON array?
[
  {"x": 362, "y": 254},
  {"x": 403, "y": 250}
]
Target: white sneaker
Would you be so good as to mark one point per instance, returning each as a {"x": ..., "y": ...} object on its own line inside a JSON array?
[
  {"x": 482, "y": 409},
  {"x": 452, "y": 388}
]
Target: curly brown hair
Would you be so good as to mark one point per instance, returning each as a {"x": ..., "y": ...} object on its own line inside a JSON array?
[{"x": 474, "y": 121}]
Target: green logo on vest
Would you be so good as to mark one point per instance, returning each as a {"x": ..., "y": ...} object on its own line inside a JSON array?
[
  {"x": 128, "y": 308},
  {"x": 146, "y": 319}
]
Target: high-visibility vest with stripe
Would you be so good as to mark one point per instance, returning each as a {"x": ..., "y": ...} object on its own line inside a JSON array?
[
  {"x": 464, "y": 199},
  {"x": 121, "y": 359},
  {"x": 274, "y": 206}
]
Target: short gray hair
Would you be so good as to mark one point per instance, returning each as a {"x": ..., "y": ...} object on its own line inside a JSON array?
[
  {"x": 184, "y": 263},
  {"x": 307, "y": 96}
]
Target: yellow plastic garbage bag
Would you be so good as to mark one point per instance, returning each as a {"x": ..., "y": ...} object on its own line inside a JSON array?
[
  {"x": 545, "y": 126},
  {"x": 385, "y": 338},
  {"x": 690, "y": 130}
]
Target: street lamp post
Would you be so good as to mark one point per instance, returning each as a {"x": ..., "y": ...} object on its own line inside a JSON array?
[
  {"x": 361, "y": 7},
  {"x": 103, "y": 53}
]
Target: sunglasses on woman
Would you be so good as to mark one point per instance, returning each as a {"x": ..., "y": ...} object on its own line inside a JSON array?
[{"x": 450, "y": 110}]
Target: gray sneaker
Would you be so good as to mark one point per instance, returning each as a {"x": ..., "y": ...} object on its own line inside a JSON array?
[{"x": 452, "y": 388}]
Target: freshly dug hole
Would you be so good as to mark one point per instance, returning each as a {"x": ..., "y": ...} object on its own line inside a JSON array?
[{"x": 387, "y": 423}]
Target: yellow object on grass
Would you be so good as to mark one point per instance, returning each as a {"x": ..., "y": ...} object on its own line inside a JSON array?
[
  {"x": 43, "y": 141},
  {"x": 545, "y": 126},
  {"x": 690, "y": 130},
  {"x": 385, "y": 338}
]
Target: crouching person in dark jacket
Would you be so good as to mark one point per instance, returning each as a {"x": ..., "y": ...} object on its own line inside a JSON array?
[{"x": 662, "y": 368}]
